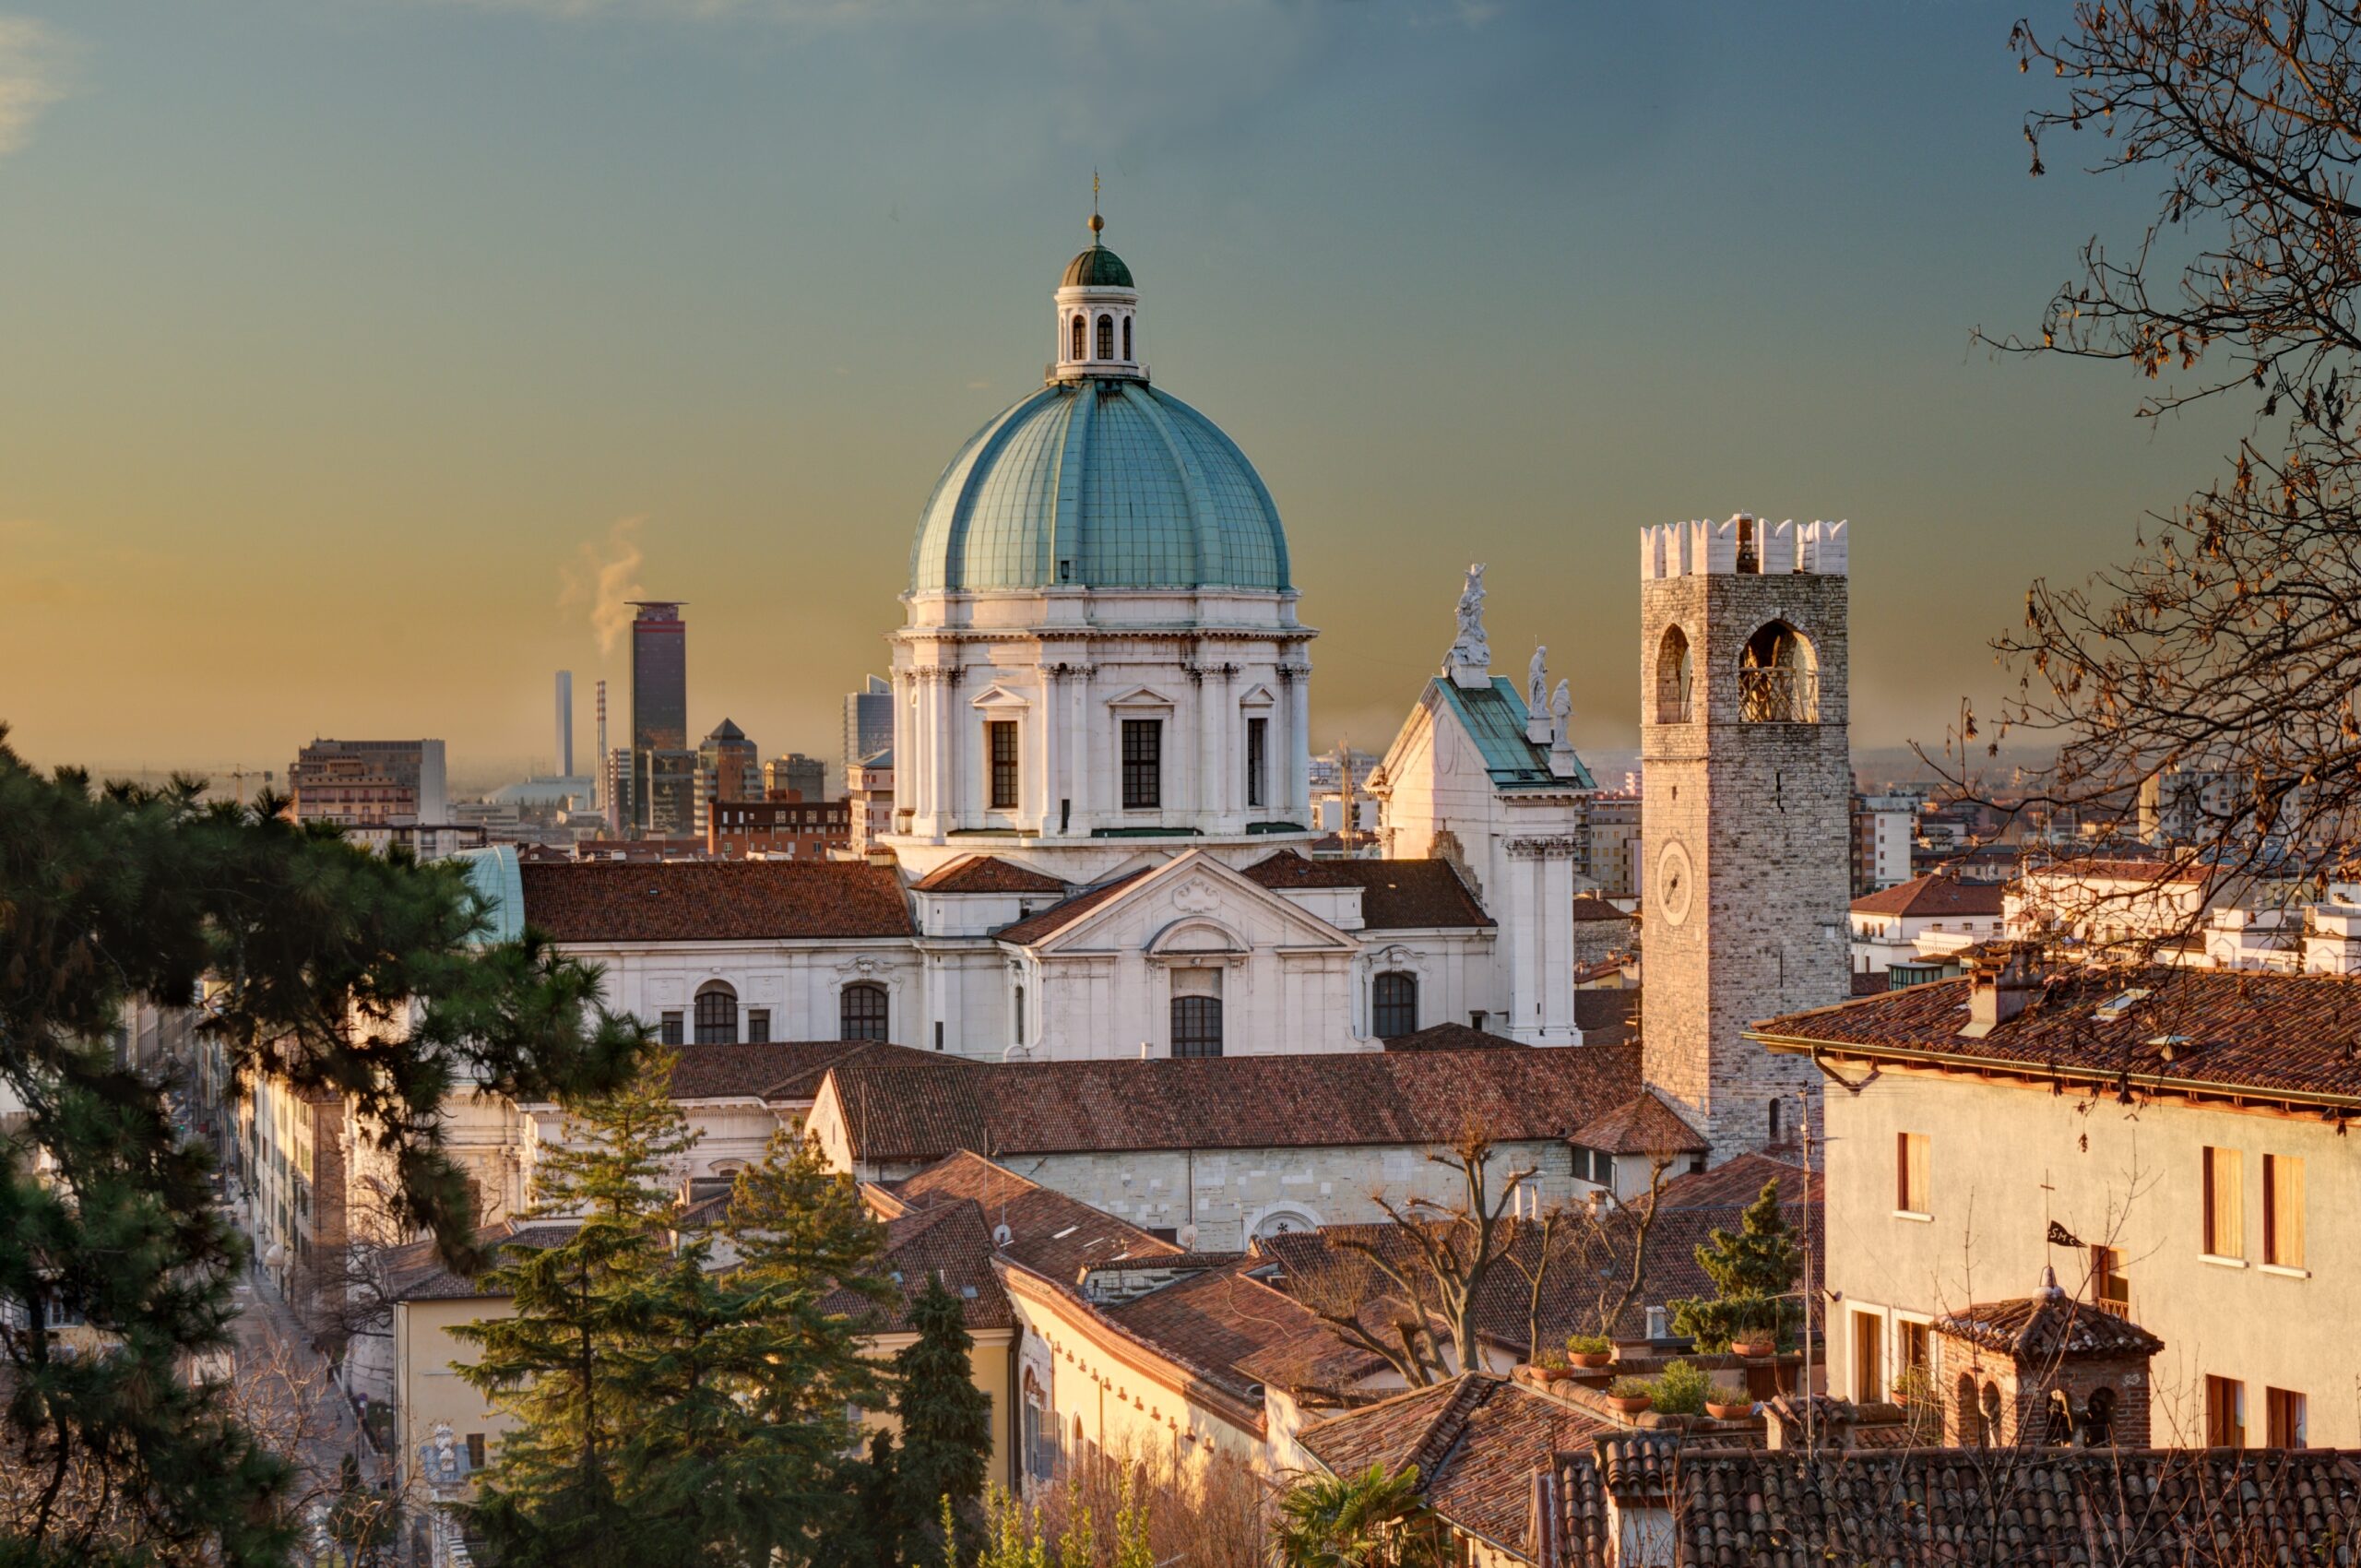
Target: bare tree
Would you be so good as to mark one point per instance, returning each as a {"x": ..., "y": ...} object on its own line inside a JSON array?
[{"x": 2229, "y": 645}]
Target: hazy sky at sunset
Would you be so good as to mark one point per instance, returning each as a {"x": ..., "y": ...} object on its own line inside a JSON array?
[{"x": 336, "y": 334}]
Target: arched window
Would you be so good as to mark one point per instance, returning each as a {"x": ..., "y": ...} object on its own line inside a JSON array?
[
  {"x": 1970, "y": 1413},
  {"x": 1774, "y": 1123},
  {"x": 2058, "y": 1423},
  {"x": 1778, "y": 679},
  {"x": 1672, "y": 677},
  {"x": 1128, "y": 355},
  {"x": 2098, "y": 1418},
  {"x": 1993, "y": 1431},
  {"x": 1105, "y": 336},
  {"x": 717, "y": 1020},
  {"x": 860, "y": 1011},
  {"x": 1196, "y": 1026},
  {"x": 1394, "y": 1009},
  {"x": 1078, "y": 329}
]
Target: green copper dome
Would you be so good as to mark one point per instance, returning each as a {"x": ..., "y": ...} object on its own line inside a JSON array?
[
  {"x": 1097, "y": 267},
  {"x": 1100, "y": 483}
]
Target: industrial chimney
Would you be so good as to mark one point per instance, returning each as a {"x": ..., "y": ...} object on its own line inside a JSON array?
[{"x": 565, "y": 724}]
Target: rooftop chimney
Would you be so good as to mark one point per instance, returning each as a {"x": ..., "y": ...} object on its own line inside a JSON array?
[{"x": 1997, "y": 993}]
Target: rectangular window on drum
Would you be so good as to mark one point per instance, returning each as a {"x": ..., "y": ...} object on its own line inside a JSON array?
[
  {"x": 1000, "y": 737},
  {"x": 1257, "y": 737},
  {"x": 1143, "y": 763}
]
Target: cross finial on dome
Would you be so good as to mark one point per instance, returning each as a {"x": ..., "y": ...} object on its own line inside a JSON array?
[{"x": 1097, "y": 222}]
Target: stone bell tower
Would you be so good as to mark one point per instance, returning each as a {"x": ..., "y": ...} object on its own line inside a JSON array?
[{"x": 1746, "y": 811}]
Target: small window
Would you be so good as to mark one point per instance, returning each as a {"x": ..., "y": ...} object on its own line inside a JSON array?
[
  {"x": 1128, "y": 355},
  {"x": 1910, "y": 1173},
  {"x": 1143, "y": 763},
  {"x": 475, "y": 1451},
  {"x": 1869, "y": 1336},
  {"x": 860, "y": 1011},
  {"x": 2226, "y": 1413},
  {"x": 668, "y": 1028},
  {"x": 1078, "y": 330},
  {"x": 1773, "y": 1121},
  {"x": 2224, "y": 1215},
  {"x": 1000, "y": 737},
  {"x": 1778, "y": 681},
  {"x": 1105, "y": 336},
  {"x": 1196, "y": 1026},
  {"x": 758, "y": 1026},
  {"x": 1973, "y": 1434},
  {"x": 1019, "y": 1015},
  {"x": 717, "y": 1014},
  {"x": 1396, "y": 1004},
  {"x": 1257, "y": 736},
  {"x": 2283, "y": 1211},
  {"x": 1164, "y": 1232},
  {"x": 2285, "y": 1414},
  {"x": 2110, "y": 1291},
  {"x": 2057, "y": 1420},
  {"x": 1672, "y": 677},
  {"x": 2098, "y": 1418}
]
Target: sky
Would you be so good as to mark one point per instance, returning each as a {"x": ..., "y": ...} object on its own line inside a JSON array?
[{"x": 347, "y": 346}]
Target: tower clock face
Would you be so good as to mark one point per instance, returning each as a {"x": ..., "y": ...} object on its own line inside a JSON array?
[{"x": 1675, "y": 882}]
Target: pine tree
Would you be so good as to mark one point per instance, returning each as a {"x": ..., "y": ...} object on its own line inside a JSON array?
[
  {"x": 335, "y": 969},
  {"x": 1753, "y": 1271},
  {"x": 946, "y": 1423}
]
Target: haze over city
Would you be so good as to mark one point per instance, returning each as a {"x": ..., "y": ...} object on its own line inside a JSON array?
[{"x": 349, "y": 341}]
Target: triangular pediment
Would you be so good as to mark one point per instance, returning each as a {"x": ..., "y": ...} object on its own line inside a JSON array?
[
  {"x": 1258, "y": 697},
  {"x": 998, "y": 697},
  {"x": 1196, "y": 904},
  {"x": 1141, "y": 697}
]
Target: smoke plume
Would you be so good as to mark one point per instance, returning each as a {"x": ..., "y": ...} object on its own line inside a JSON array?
[{"x": 604, "y": 577}]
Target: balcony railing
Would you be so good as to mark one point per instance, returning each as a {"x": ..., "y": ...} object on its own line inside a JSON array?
[{"x": 1778, "y": 693}]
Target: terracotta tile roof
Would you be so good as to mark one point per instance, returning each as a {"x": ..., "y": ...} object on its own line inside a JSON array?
[
  {"x": 2263, "y": 1033},
  {"x": 2154, "y": 1508},
  {"x": 1737, "y": 1183},
  {"x": 1396, "y": 895},
  {"x": 1934, "y": 897},
  {"x": 2048, "y": 1326},
  {"x": 1871, "y": 984},
  {"x": 952, "y": 1239},
  {"x": 784, "y": 1069},
  {"x": 1451, "y": 1036},
  {"x": 1049, "y": 1231},
  {"x": 986, "y": 874},
  {"x": 415, "y": 1273},
  {"x": 1590, "y": 907},
  {"x": 1239, "y": 1334},
  {"x": 2103, "y": 868},
  {"x": 1057, "y": 917},
  {"x": 1645, "y": 1124},
  {"x": 714, "y": 901},
  {"x": 1282, "y": 1101},
  {"x": 1608, "y": 1016},
  {"x": 1476, "y": 1443}
]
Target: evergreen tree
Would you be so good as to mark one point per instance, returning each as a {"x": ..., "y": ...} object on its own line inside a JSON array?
[
  {"x": 1754, "y": 1273},
  {"x": 335, "y": 969},
  {"x": 946, "y": 1424}
]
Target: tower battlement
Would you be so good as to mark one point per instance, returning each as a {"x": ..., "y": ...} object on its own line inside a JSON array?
[{"x": 1744, "y": 544}]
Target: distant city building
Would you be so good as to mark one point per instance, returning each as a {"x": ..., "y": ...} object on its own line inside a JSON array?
[
  {"x": 663, "y": 767},
  {"x": 358, "y": 783},
  {"x": 615, "y": 785},
  {"x": 565, "y": 723},
  {"x": 795, "y": 777},
  {"x": 786, "y": 830},
  {"x": 1615, "y": 860},
  {"x": 869, "y": 791},
  {"x": 1883, "y": 829},
  {"x": 869, "y": 720},
  {"x": 730, "y": 767}
]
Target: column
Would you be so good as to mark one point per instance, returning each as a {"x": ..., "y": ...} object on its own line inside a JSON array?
[
  {"x": 1208, "y": 693},
  {"x": 1079, "y": 744},
  {"x": 1047, "y": 719},
  {"x": 1299, "y": 740},
  {"x": 942, "y": 748}
]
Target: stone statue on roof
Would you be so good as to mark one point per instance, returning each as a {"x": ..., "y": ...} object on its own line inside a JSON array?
[
  {"x": 1561, "y": 708},
  {"x": 1536, "y": 679},
  {"x": 1470, "y": 663}
]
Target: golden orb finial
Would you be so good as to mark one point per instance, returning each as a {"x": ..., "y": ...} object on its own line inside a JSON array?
[{"x": 1097, "y": 222}]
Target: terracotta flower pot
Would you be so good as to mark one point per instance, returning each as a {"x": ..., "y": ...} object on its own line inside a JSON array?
[
  {"x": 1556, "y": 1374},
  {"x": 1591, "y": 1360},
  {"x": 1728, "y": 1412},
  {"x": 1754, "y": 1349},
  {"x": 1630, "y": 1404}
]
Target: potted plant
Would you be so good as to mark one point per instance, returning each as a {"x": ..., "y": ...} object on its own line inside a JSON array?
[
  {"x": 1593, "y": 1350},
  {"x": 1753, "y": 1343},
  {"x": 1631, "y": 1394},
  {"x": 1729, "y": 1402},
  {"x": 1680, "y": 1390},
  {"x": 1551, "y": 1366}
]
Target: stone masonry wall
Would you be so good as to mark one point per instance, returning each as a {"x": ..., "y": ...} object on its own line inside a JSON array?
[{"x": 1762, "y": 811}]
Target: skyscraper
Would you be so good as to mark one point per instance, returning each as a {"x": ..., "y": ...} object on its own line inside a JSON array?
[
  {"x": 663, "y": 794},
  {"x": 565, "y": 724},
  {"x": 869, "y": 720}
]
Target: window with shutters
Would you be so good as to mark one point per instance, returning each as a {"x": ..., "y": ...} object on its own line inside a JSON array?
[
  {"x": 2284, "y": 1415},
  {"x": 2283, "y": 1211},
  {"x": 1143, "y": 763},
  {"x": 1910, "y": 1174},
  {"x": 1000, "y": 737},
  {"x": 2110, "y": 1291},
  {"x": 2225, "y": 1216},
  {"x": 2226, "y": 1413}
]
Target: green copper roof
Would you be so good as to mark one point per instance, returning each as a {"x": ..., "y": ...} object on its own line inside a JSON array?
[
  {"x": 1097, "y": 267},
  {"x": 1099, "y": 485},
  {"x": 1494, "y": 718}
]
